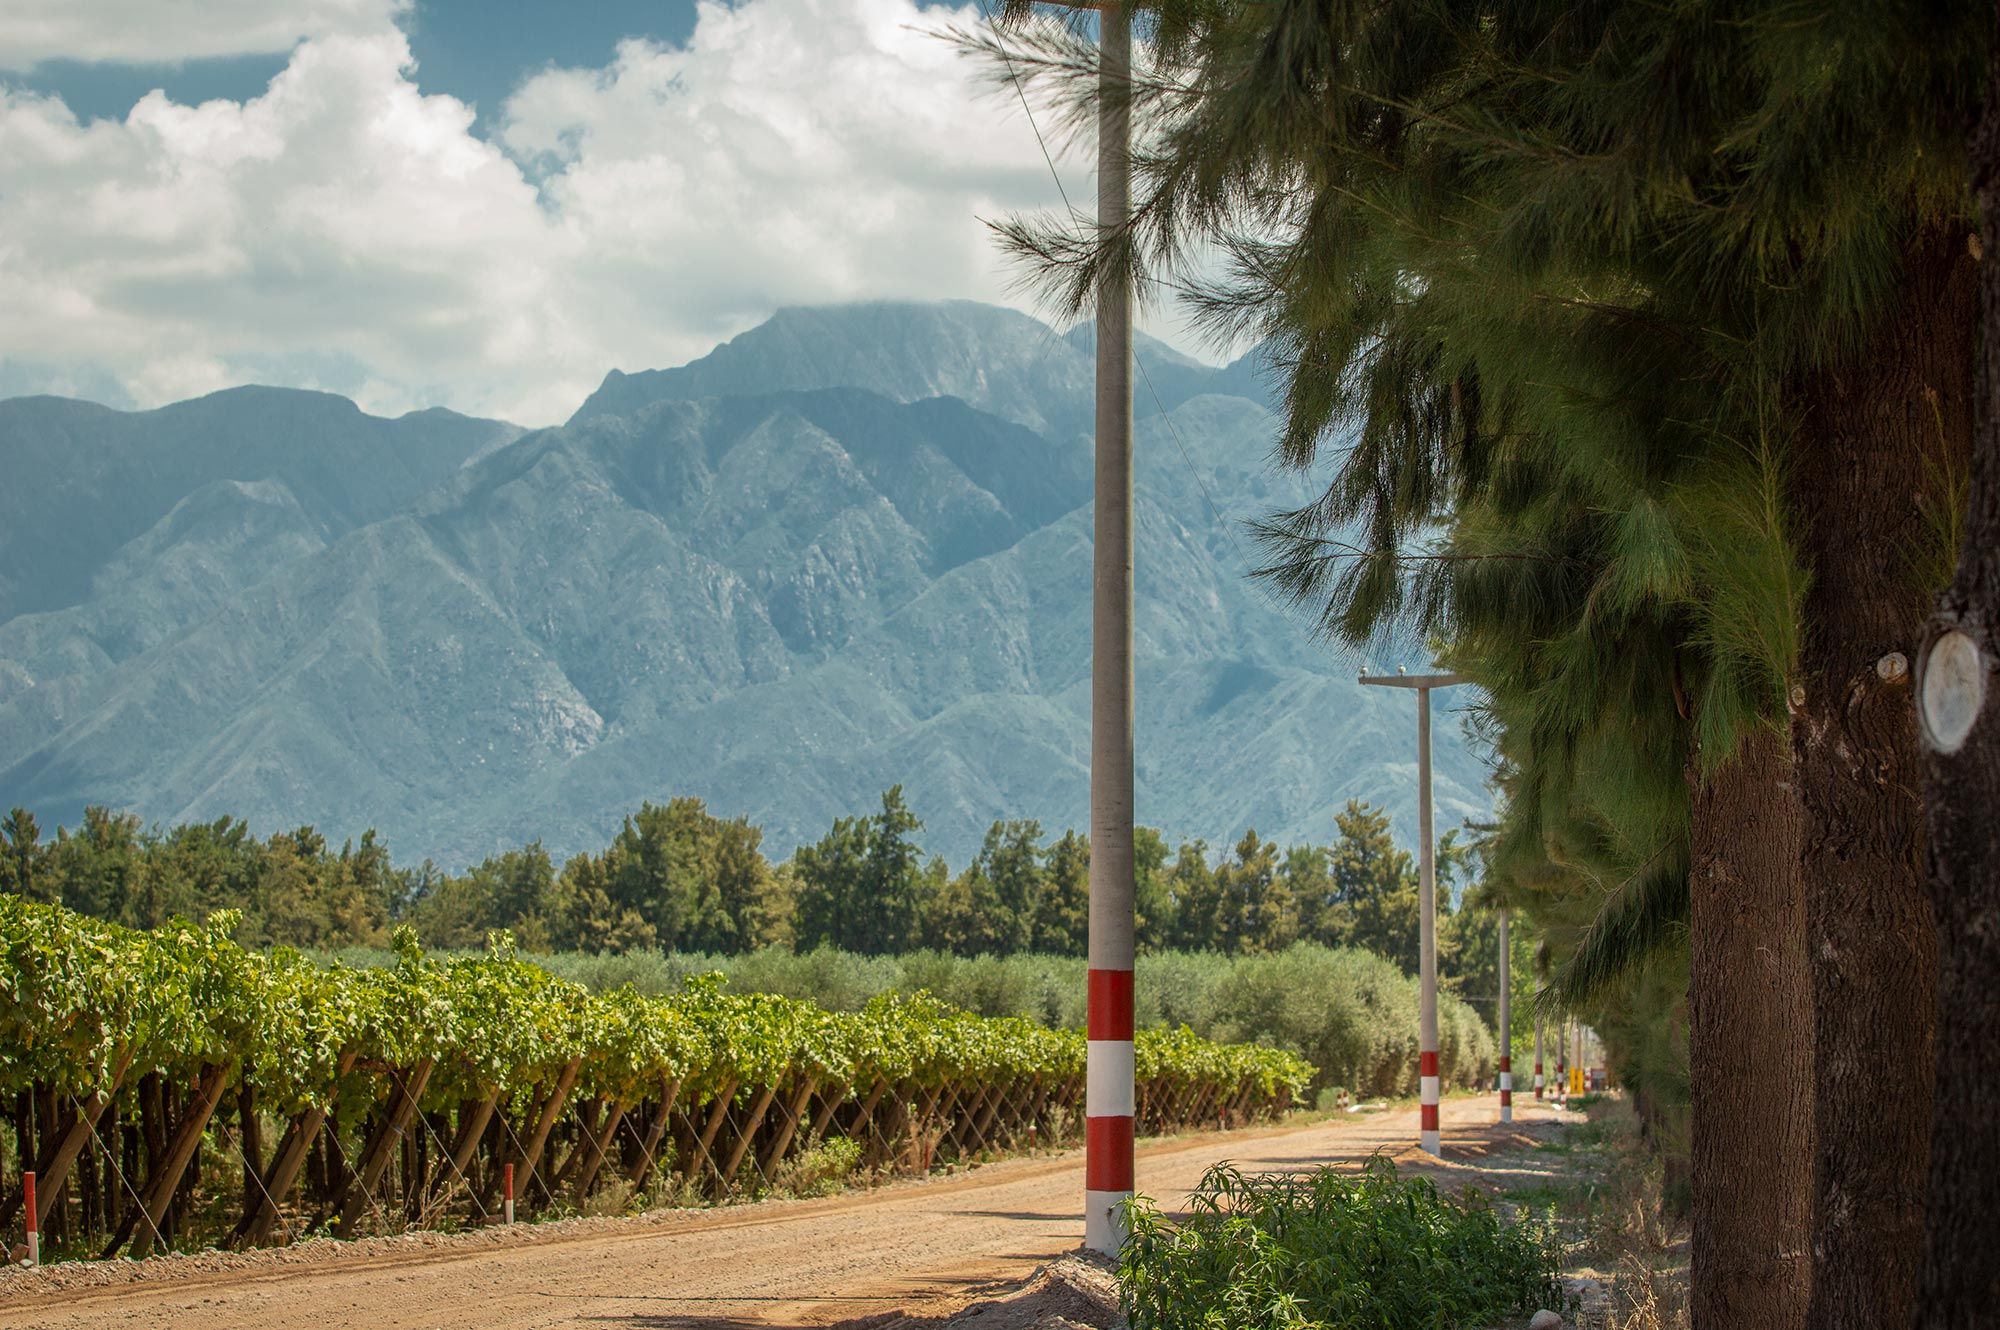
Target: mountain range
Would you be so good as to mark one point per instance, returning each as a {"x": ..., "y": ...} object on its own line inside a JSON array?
[{"x": 848, "y": 549}]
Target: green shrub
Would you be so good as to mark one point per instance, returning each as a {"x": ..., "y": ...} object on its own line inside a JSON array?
[
  {"x": 1350, "y": 1013},
  {"x": 821, "y": 1169},
  {"x": 1327, "y": 1251}
]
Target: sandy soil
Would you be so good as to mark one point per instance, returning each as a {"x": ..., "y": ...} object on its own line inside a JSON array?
[{"x": 917, "y": 1249}]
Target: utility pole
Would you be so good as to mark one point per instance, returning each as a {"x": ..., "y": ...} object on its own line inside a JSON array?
[
  {"x": 1427, "y": 1055},
  {"x": 1109, "y": 1096},
  {"x": 1538, "y": 1051},
  {"x": 1506, "y": 1028}
]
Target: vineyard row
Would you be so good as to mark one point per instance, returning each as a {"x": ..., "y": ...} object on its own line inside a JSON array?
[{"x": 148, "y": 1071}]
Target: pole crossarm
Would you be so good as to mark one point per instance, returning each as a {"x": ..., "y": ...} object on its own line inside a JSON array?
[{"x": 1412, "y": 680}]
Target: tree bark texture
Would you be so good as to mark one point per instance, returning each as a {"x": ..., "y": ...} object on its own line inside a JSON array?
[
  {"x": 1750, "y": 1045},
  {"x": 1879, "y": 435},
  {"x": 1960, "y": 1285}
]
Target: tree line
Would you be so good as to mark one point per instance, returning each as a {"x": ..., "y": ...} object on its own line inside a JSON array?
[{"x": 678, "y": 878}]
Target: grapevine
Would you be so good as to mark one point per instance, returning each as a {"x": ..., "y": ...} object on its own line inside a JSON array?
[{"x": 405, "y": 1092}]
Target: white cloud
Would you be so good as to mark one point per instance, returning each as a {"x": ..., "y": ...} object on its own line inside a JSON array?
[
  {"x": 170, "y": 31},
  {"x": 344, "y": 231}
]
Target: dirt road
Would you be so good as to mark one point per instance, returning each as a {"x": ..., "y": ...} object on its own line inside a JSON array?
[{"x": 918, "y": 1245}]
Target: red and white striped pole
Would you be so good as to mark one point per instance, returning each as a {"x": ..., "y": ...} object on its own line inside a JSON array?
[
  {"x": 507, "y": 1181},
  {"x": 1562, "y": 1063},
  {"x": 1506, "y": 1029},
  {"x": 1538, "y": 1054},
  {"x": 34, "y": 1225},
  {"x": 1427, "y": 1011},
  {"x": 1108, "y": 1110},
  {"x": 1108, "y": 1083},
  {"x": 1427, "y": 960}
]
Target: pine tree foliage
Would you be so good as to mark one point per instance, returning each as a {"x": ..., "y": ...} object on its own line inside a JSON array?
[{"x": 1541, "y": 283}]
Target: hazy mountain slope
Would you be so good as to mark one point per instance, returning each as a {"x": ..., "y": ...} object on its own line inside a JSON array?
[
  {"x": 82, "y": 479},
  {"x": 214, "y": 543},
  {"x": 783, "y": 598},
  {"x": 974, "y": 694}
]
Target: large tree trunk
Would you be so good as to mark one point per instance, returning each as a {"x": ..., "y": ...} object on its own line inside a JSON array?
[
  {"x": 1958, "y": 687},
  {"x": 1750, "y": 1046},
  {"x": 1879, "y": 436}
]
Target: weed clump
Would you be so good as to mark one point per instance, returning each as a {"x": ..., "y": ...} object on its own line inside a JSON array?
[{"x": 1332, "y": 1251}]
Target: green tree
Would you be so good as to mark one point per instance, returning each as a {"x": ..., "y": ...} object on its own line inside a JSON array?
[
  {"x": 861, "y": 887},
  {"x": 96, "y": 863},
  {"x": 994, "y": 903},
  {"x": 1062, "y": 916},
  {"x": 20, "y": 857},
  {"x": 1153, "y": 897},
  {"x": 1659, "y": 310},
  {"x": 514, "y": 890},
  {"x": 1197, "y": 899},
  {"x": 1374, "y": 899},
  {"x": 1307, "y": 871},
  {"x": 1255, "y": 911},
  {"x": 588, "y": 915}
]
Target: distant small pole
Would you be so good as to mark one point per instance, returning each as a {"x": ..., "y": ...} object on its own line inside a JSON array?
[
  {"x": 1538, "y": 1052},
  {"x": 1506, "y": 1031},
  {"x": 1562, "y": 1061},
  {"x": 507, "y": 1178},
  {"x": 34, "y": 1230},
  {"x": 1427, "y": 1011}
]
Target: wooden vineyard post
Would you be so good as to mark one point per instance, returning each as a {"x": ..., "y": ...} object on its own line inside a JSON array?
[
  {"x": 596, "y": 1143},
  {"x": 829, "y": 1105},
  {"x": 144, "y": 1222},
  {"x": 649, "y": 1149},
  {"x": 52, "y": 1171},
  {"x": 587, "y": 1118},
  {"x": 878, "y": 1149},
  {"x": 255, "y": 1228},
  {"x": 473, "y": 1117},
  {"x": 786, "y": 1129},
  {"x": 705, "y": 1142},
  {"x": 531, "y": 1155},
  {"x": 751, "y": 1122},
  {"x": 375, "y": 1157}
]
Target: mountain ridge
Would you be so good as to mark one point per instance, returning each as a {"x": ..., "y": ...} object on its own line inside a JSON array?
[{"x": 782, "y": 601}]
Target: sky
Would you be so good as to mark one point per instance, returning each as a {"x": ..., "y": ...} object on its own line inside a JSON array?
[{"x": 479, "y": 204}]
